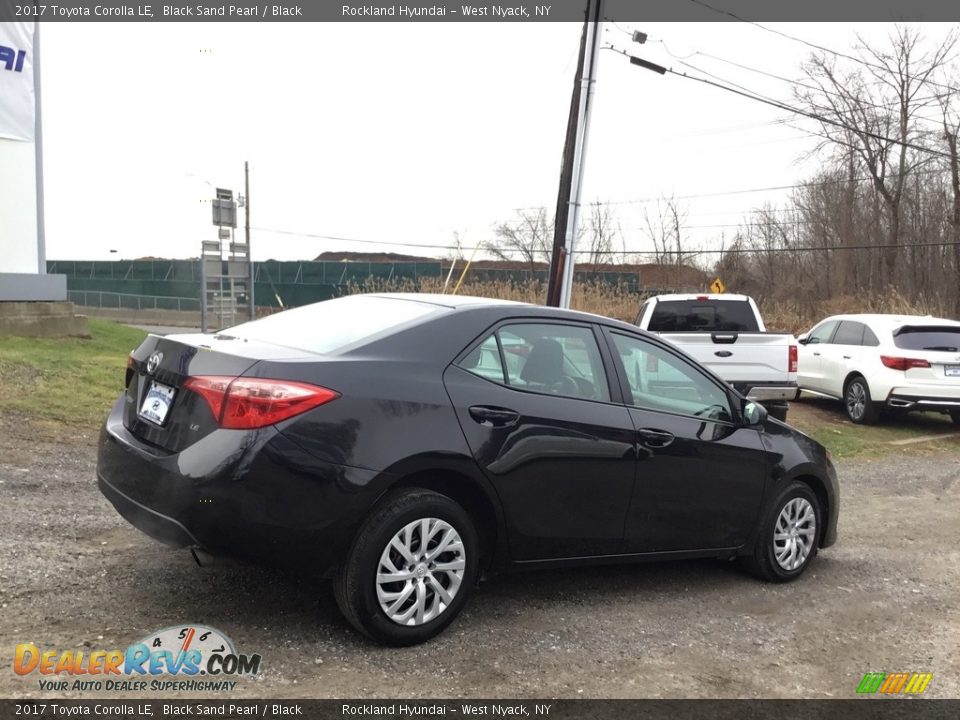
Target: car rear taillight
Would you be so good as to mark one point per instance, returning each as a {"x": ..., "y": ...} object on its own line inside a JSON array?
[
  {"x": 792, "y": 359},
  {"x": 902, "y": 363},
  {"x": 248, "y": 403}
]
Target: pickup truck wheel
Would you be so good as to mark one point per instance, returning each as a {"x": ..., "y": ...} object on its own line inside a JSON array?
[
  {"x": 857, "y": 402},
  {"x": 955, "y": 416}
]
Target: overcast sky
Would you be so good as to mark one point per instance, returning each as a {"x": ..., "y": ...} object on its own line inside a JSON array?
[{"x": 405, "y": 133}]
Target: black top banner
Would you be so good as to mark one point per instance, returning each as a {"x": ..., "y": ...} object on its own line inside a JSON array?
[
  {"x": 465, "y": 11},
  {"x": 488, "y": 709}
]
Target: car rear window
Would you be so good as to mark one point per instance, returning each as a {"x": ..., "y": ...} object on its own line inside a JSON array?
[
  {"x": 703, "y": 316},
  {"x": 928, "y": 337},
  {"x": 335, "y": 325}
]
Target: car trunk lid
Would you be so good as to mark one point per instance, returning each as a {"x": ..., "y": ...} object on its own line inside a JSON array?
[{"x": 159, "y": 410}]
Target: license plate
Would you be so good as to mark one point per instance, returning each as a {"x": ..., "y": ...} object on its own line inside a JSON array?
[
  {"x": 157, "y": 403},
  {"x": 951, "y": 370}
]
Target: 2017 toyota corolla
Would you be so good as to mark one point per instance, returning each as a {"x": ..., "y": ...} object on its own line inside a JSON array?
[{"x": 405, "y": 445}]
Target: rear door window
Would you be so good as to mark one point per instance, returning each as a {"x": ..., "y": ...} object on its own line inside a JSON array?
[
  {"x": 484, "y": 360},
  {"x": 550, "y": 358},
  {"x": 703, "y": 316},
  {"x": 928, "y": 337}
]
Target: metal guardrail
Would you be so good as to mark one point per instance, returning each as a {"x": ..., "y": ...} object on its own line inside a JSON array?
[{"x": 124, "y": 301}]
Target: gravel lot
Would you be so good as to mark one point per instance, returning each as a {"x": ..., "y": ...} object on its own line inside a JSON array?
[{"x": 74, "y": 575}]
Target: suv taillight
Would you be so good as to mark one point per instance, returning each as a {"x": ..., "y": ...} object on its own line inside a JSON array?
[
  {"x": 249, "y": 403},
  {"x": 792, "y": 359},
  {"x": 901, "y": 363}
]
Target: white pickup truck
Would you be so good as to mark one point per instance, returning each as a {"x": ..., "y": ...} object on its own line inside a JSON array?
[{"x": 726, "y": 333}]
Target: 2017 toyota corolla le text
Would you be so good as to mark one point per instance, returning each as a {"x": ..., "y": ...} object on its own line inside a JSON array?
[{"x": 406, "y": 445}]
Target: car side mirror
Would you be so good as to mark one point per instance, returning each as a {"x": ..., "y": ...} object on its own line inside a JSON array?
[
  {"x": 803, "y": 339},
  {"x": 754, "y": 413}
]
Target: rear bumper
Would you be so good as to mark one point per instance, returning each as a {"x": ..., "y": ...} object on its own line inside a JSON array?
[
  {"x": 929, "y": 398},
  {"x": 157, "y": 525},
  {"x": 760, "y": 393},
  {"x": 254, "y": 495}
]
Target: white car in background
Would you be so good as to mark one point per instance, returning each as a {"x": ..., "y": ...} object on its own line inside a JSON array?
[{"x": 902, "y": 362}]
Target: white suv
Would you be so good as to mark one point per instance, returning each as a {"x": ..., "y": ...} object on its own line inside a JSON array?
[{"x": 905, "y": 362}]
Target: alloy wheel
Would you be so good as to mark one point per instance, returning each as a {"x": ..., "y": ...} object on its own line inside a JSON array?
[
  {"x": 856, "y": 400},
  {"x": 794, "y": 534},
  {"x": 420, "y": 571}
]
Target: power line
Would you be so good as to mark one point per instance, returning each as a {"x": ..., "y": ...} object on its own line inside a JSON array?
[
  {"x": 798, "y": 83},
  {"x": 697, "y": 196},
  {"x": 724, "y": 193},
  {"x": 320, "y": 236},
  {"x": 729, "y": 128},
  {"x": 617, "y": 26},
  {"x": 758, "y": 251},
  {"x": 735, "y": 250},
  {"x": 820, "y": 118},
  {"x": 813, "y": 45},
  {"x": 798, "y": 111}
]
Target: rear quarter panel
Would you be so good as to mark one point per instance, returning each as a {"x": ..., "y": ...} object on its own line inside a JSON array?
[{"x": 393, "y": 419}]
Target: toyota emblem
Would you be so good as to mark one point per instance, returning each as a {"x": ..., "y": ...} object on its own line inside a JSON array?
[{"x": 154, "y": 362}]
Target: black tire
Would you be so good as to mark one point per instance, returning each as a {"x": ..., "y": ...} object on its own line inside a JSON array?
[
  {"x": 955, "y": 416},
  {"x": 763, "y": 561},
  {"x": 355, "y": 585},
  {"x": 857, "y": 403}
]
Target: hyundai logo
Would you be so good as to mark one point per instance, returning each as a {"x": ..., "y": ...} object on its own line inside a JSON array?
[
  {"x": 12, "y": 59},
  {"x": 154, "y": 362}
]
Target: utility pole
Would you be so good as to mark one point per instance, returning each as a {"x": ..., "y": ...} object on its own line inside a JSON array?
[
  {"x": 246, "y": 231},
  {"x": 38, "y": 150},
  {"x": 567, "y": 220}
]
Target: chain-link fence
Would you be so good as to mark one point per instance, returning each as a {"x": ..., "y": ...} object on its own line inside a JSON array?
[{"x": 125, "y": 301}]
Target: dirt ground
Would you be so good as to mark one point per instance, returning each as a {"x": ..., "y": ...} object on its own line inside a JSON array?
[{"x": 886, "y": 598}]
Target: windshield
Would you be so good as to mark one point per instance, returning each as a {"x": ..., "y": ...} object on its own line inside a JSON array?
[{"x": 703, "y": 316}]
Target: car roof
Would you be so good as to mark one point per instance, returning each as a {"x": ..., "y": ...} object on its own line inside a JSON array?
[
  {"x": 701, "y": 296},
  {"x": 892, "y": 321},
  {"x": 449, "y": 301},
  {"x": 470, "y": 303}
]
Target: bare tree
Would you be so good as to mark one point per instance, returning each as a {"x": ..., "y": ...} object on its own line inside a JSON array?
[
  {"x": 870, "y": 110},
  {"x": 665, "y": 231},
  {"x": 601, "y": 233},
  {"x": 528, "y": 238},
  {"x": 951, "y": 129}
]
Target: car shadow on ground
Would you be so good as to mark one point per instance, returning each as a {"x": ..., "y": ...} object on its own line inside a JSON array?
[{"x": 242, "y": 598}]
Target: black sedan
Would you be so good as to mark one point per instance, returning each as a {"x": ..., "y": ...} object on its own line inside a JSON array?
[{"x": 406, "y": 445}]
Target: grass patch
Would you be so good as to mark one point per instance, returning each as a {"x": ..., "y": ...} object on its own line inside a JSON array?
[
  {"x": 824, "y": 421},
  {"x": 67, "y": 381}
]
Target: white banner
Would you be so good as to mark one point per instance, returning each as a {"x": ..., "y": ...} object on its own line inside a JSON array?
[{"x": 17, "y": 103}]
